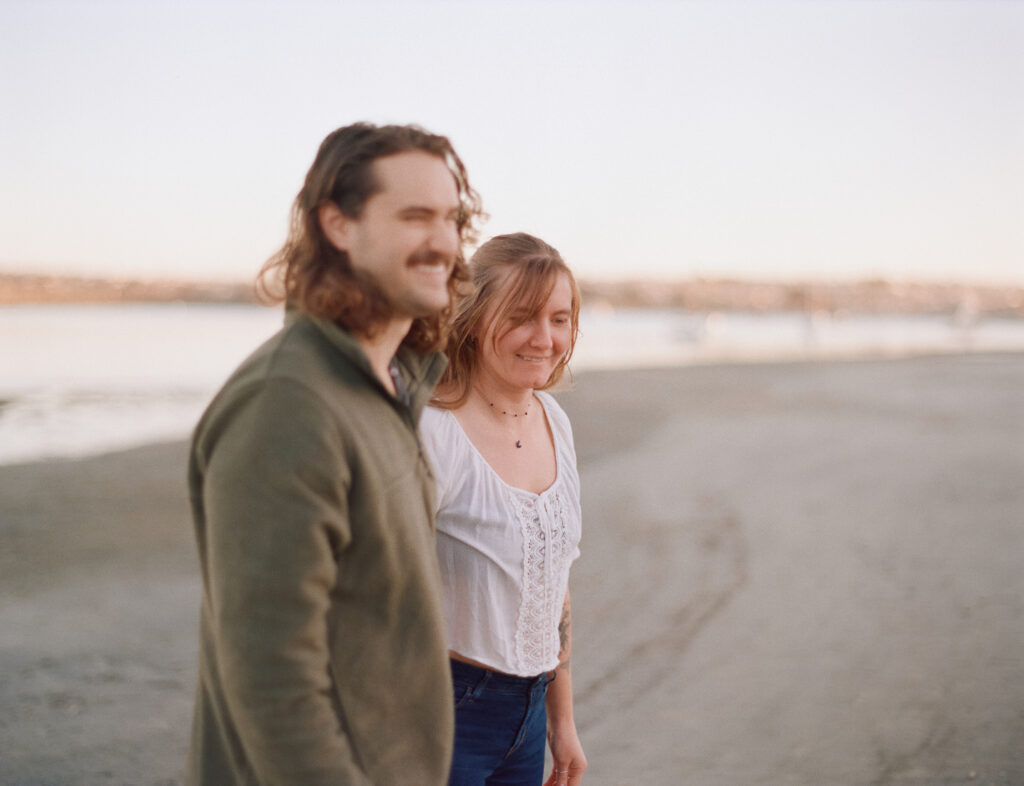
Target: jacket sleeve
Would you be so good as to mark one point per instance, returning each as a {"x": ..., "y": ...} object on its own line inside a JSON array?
[{"x": 275, "y": 501}]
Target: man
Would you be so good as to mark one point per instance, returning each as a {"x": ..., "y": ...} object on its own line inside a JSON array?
[{"x": 322, "y": 651}]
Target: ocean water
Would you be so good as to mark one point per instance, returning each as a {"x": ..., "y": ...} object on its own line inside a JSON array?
[{"x": 84, "y": 379}]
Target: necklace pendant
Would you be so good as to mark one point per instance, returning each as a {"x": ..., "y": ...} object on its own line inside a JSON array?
[{"x": 519, "y": 443}]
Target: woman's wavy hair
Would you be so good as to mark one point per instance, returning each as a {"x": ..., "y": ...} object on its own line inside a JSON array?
[
  {"x": 512, "y": 277},
  {"x": 313, "y": 276}
]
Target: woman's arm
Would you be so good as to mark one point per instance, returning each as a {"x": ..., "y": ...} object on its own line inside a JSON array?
[{"x": 566, "y": 750}]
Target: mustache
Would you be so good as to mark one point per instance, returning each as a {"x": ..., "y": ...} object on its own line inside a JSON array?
[{"x": 429, "y": 257}]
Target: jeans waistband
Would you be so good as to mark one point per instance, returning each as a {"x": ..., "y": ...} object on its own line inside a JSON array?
[{"x": 497, "y": 679}]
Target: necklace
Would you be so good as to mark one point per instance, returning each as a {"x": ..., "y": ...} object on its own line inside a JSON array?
[{"x": 513, "y": 413}]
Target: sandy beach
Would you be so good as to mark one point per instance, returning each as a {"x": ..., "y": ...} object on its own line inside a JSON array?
[{"x": 792, "y": 574}]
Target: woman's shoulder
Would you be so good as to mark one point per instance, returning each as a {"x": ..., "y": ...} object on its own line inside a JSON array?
[
  {"x": 556, "y": 415},
  {"x": 433, "y": 415},
  {"x": 437, "y": 426},
  {"x": 551, "y": 405}
]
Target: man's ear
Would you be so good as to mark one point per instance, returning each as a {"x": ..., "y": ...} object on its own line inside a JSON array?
[{"x": 335, "y": 225}]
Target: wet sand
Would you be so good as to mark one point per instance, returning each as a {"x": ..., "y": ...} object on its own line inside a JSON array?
[{"x": 802, "y": 574}]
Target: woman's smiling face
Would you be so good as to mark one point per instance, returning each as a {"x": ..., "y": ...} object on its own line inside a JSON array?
[{"x": 525, "y": 354}]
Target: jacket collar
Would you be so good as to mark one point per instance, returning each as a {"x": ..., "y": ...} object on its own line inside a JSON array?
[{"x": 420, "y": 373}]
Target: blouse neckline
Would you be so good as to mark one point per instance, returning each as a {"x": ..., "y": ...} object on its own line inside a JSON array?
[{"x": 480, "y": 456}]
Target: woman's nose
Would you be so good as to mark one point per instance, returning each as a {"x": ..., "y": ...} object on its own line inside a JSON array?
[{"x": 541, "y": 336}]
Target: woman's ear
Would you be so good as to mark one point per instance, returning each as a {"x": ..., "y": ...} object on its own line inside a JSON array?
[{"x": 335, "y": 225}]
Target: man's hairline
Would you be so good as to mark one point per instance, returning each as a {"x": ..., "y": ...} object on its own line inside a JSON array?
[{"x": 377, "y": 188}]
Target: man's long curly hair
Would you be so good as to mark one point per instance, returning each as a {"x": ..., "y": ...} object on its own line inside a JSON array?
[{"x": 313, "y": 276}]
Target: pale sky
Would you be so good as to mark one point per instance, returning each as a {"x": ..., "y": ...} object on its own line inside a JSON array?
[{"x": 768, "y": 139}]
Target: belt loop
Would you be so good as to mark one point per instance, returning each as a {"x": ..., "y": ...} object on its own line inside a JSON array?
[{"x": 481, "y": 684}]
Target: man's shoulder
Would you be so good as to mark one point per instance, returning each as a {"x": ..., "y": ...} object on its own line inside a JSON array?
[
  {"x": 307, "y": 351},
  {"x": 296, "y": 369}
]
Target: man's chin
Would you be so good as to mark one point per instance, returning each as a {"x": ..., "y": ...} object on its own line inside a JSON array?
[{"x": 424, "y": 309}]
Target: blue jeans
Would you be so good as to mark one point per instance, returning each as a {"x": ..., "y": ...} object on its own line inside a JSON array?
[{"x": 500, "y": 728}]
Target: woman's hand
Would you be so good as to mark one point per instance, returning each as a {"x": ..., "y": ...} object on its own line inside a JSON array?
[
  {"x": 567, "y": 753},
  {"x": 566, "y": 750}
]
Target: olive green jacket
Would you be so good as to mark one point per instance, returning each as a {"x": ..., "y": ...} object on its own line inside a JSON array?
[{"x": 322, "y": 650}]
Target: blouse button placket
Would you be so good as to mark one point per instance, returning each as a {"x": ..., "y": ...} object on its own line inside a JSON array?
[{"x": 549, "y": 543}]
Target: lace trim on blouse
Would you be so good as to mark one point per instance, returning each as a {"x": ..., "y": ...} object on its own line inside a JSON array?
[{"x": 547, "y": 552}]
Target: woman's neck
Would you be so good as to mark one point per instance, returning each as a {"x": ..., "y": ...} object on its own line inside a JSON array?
[{"x": 502, "y": 400}]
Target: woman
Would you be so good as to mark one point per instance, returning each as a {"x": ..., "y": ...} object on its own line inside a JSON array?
[{"x": 508, "y": 518}]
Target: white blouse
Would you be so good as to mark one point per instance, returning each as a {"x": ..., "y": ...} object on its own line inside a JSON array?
[{"x": 504, "y": 552}]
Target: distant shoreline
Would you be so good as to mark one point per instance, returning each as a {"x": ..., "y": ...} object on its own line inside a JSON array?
[
  {"x": 24, "y": 289},
  {"x": 875, "y": 296}
]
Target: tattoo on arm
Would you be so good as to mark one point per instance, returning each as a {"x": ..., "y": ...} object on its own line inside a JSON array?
[{"x": 564, "y": 635}]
